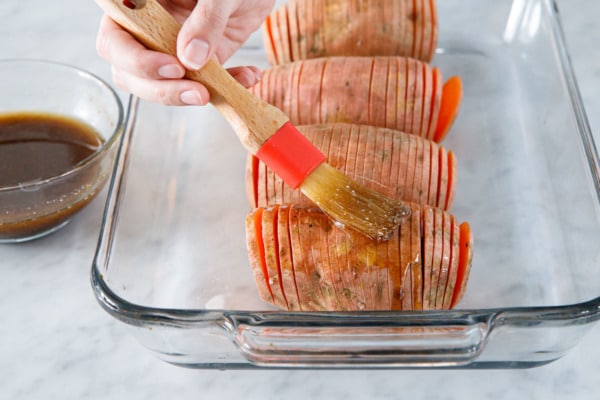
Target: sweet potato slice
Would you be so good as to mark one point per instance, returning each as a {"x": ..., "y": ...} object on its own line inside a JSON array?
[
  {"x": 284, "y": 27},
  {"x": 445, "y": 260},
  {"x": 436, "y": 97},
  {"x": 314, "y": 230},
  {"x": 309, "y": 298},
  {"x": 406, "y": 258},
  {"x": 310, "y": 87},
  {"x": 427, "y": 99},
  {"x": 348, "y": 79},
  {"x": 335, "y": 264},
  {"x": 269, "y": 40},
  {"x": 256, "y": 254},
  {"x": 417, "y": 28},
  {"x": 433, "y": 30},
  {"x": 353, "y": 291},
  {"x": 301, "y": 36},
  {"x": 437, "y": 256},
  {"x": 271, "y": 255},
  {"x": 452, "y": 93},
  {"x": 406, "y": 92},
  {"x": 453, "y": 264},
  {"x": 394, "y": 271},
  {"x": 410, "y": 167},
  {"x": 378, "y": 89},
  {"x": 279, "y": 39},
  {"x": 382, "y": 272},
  {"x": 423, "y": 22},
  {"x": 286, "y": 262},
  {"x": 395, "y": 77},
  {"x": 464, "y": 262},
  {"x": 424, "y": 163},
  {"x": 417, "y": 105},
  {"x": 443, "y": 178},
  {"x": 293, "y": 29},
  {"x": 416, "y": 263},
  {"x": 434, "y": 174},
  {"x": 452, "y": 176},
  {"x": 427, "y": 251},
  {"x": 418, "y": 185}
]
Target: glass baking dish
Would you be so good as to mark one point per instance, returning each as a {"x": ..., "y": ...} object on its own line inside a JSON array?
[{"x": 171, "y": 260}]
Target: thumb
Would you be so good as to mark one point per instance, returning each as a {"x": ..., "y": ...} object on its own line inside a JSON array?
[{"x": 202, "y": 32}]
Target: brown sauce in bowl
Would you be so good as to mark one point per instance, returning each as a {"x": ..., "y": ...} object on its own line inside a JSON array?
[{"x": 35, "y": 147}]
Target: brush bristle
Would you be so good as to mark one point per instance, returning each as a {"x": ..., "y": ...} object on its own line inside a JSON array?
[{"x": 353, "y": 205}]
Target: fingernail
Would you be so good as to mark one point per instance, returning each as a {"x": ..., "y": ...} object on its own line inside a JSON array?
[
  {"x": 195, "y": 54},
  {"x": 171, "y": 71},
  {"x": 192, "y": 98}
]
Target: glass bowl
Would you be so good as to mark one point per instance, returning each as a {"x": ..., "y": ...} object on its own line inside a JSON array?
[
  {"x": 43, "y": 202},
  {"x": 172, "y": 265}
]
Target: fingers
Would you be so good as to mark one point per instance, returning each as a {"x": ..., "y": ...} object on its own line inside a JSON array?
[
  {"x": 177, "y": 92},
  {"x": 246, "y": 76},
  {"x": 155, "y": 76},
  {"x": 202, "y": 31},
  {"x": 125, "y": 53}
]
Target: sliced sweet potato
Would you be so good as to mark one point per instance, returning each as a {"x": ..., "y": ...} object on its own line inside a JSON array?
[
  {"x": 346, "y": 89},
  {"x": 326, "y": 267},
  {"x": 325, "y": 28},
  {"x": 400, "y": 166}
]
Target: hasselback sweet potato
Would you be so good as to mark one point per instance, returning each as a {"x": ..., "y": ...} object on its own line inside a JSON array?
[
  {"x": 401, "y": 166},
  {"x": 393, "y": 92},
  {"x": 303, "y": 261},
  {"x": 305, "y": 29}
]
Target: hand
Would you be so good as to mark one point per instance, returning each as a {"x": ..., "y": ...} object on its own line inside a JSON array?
[{"x": 209, "y": 28}]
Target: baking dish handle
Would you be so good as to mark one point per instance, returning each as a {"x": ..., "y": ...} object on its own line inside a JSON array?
[{"x": 267, "y": 342}]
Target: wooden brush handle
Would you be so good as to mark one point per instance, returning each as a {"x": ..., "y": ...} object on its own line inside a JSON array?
[{"x": 253, "y": 120}]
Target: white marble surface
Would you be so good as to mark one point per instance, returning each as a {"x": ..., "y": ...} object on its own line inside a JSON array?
[{"x": 57, "y": 343}]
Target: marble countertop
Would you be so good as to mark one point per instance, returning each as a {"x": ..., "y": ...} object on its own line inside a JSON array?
[{"x": 57, "y": 343}]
